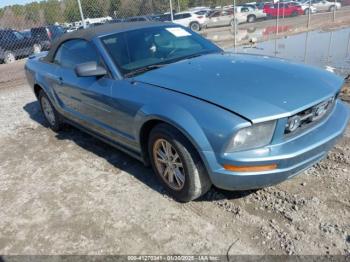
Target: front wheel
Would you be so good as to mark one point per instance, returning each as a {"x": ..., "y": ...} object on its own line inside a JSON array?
[
  {"x": 9, "y": 57},
  {"x": 177, "y": 164},
  {"x": 332, "y": 8},
  {"x": 195, "y": 26},
  {"x": 306, "y": 12},
  {"x": 52, "y": 117},
  {"x": 295, "y": 13}
]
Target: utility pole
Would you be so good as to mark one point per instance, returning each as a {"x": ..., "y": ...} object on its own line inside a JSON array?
[
  {"x": 171, "y": 10},
  {"x": 235, "y": 25},
  {"x": 309, "y": 15},
  {"x": 81, "y": 14}
]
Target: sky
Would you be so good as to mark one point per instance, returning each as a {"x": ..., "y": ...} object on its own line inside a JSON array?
[{"x": 13, "y": 2}]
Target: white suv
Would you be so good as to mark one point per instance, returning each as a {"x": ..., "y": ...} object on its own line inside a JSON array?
[{"x": 190, "y": 19}]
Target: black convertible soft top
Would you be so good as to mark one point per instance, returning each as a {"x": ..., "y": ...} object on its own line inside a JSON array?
[{"x": 90, "y": 33}]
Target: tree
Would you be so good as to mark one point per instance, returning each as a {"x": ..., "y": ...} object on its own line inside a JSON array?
[
  {"x": 71, "y": 11},
  {"x": 52, "y": 11},
  {"x": 114, "y": 7}
]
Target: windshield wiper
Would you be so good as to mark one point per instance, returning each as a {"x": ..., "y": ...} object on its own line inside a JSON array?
[{"x": 143, "y": 69}]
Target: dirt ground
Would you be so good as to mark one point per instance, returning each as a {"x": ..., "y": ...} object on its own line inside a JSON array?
[{"x": 68, "y": 193}]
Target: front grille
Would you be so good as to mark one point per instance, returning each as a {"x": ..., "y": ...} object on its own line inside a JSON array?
[{"x": 309, "y": 117}]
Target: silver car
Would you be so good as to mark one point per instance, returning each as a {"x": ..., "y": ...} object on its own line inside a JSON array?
[{"x": 224, "y": 18}]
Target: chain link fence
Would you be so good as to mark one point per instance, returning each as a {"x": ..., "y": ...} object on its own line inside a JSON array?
[{"x": 31, "y": 27}]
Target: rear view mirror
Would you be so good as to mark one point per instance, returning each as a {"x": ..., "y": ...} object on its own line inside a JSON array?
[{"x": 90, "y": 69}]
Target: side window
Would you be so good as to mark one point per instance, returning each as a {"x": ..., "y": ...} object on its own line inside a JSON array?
[
  {"x": 187, "y": 15},
  {"x": 74, "y": 52},
  {"x": 245, "y": 9},
  {"x": 216, "y": 14},
  {"x": 179, "y": 16}
]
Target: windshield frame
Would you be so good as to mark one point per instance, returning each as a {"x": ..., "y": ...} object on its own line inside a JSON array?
[{"x": 126, "y": 75}]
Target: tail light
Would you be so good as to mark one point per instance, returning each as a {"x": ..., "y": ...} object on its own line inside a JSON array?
[
  {"x": 49, "y": 34},
  {"x": 200, "y": 16}
]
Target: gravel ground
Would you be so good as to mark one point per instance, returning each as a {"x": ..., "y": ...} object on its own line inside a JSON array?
[{"x": 68, "y": 193}]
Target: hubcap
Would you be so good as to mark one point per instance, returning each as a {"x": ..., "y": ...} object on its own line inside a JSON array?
[
  {"x": 37, "y": 49},
  {"x": 48, "y": 110},
  {"x": 10, "y": 58},
  {"x": 169, "y": 164},
  {"x": 195, "y": 27}
]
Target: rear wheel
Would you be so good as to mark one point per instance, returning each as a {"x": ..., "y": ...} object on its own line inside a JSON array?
[
  {"x": 36, "y": 48},
  {"x": 295, "y": 13},
  {"x": 251, "y": 18},
  {"x": 52, "y": 117},
  {"x": 195, "y": 26},
  {"x": 306, "y": 11},
  {"x": 177, "y": 164},
  {"x": 9, "y": 57}
]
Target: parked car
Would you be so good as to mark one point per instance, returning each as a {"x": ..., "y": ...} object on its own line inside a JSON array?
[
  {"x": 175, "y": 101},
  {"x": 138, "y": 18},
  {"x": 306, "y": 7},
  {"x": 14, "y": 45},
  {"x": 190, "y": 19},
  {"x": 252, "y": 14},
  {"x": 42, "y": 45},
  {"x": 282, "y": 10},
  {"x": 162, "y": 17},
  {"x": 323, "y": 5},
  {"x": 46, "y": 34},
  {"x": 224, "y": 18}
]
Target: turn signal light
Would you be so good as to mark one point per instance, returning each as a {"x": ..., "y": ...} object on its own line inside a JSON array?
[{"x": 250, "y": 168}]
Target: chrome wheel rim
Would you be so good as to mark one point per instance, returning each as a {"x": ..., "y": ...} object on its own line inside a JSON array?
[
  {"x": 37, "y": 49},
  {"x": 48, "y": 110},
  {"x": 195, "y": 27},
  {"x": 169, "y": 164},
  {"x": 10, "y": 58}
]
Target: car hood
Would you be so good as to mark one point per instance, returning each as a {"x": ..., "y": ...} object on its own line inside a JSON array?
[{"x": 259, "y": 88}]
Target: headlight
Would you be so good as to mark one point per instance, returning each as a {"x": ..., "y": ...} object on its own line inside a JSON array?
[{"x": 255, "y": 136}]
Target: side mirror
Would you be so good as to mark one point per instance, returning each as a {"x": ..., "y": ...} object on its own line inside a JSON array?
[{"x": 90, "y": 69}]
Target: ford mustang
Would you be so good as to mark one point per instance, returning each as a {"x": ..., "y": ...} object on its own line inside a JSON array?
[{"x": 196, "y": 114}]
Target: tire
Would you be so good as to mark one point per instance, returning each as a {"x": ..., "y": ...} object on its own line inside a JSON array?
[
  {"x": 36, "y": 48},
  {"x": 53, "y": 118},
  {"x": 294, "y": 13},
  {"x": 251, "y": 18},
  {"x": 332, "y": 8},
  {"x": 192, "y": 180},
  {"x": 306, "y": 11},
  {"x": 232, "y": 23},
  {"x": 9, "y": 57},
  {"x": 194, "y": 26}
]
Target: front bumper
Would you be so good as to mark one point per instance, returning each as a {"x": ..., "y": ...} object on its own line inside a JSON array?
[{"x": 292, "y": 156}]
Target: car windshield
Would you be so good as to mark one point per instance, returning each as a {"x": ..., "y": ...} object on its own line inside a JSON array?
[{"x": 145, "y": 49}]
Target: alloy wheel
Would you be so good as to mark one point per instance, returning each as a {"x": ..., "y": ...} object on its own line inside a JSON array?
[
  {"x": 169, "y": 164},
  {"x": 36, "y": 48},
  {"x": 9, "y": 58},
  {"x": 48, "y": 111}
]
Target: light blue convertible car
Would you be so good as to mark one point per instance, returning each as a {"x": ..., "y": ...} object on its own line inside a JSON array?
[{"x": 198, "y": 115}]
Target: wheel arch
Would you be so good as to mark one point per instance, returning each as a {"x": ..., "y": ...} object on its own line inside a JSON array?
[{"x": 181, "y": 123}]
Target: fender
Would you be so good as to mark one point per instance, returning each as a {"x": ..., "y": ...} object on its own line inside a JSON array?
[{"x": 179, "y": 118}]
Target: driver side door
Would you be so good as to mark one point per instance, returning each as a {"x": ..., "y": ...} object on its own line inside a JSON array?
[{"x": 86, "y": 99}]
